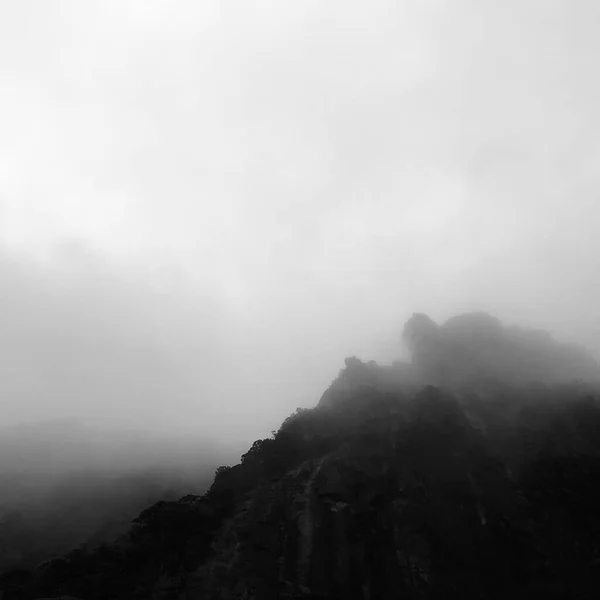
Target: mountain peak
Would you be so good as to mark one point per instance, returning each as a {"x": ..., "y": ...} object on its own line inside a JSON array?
[
  {"x": 477, "y": 348},
  {"x": 416, "y": 480}
]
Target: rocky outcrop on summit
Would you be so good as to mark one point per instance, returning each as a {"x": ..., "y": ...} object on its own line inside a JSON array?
[
  {"x": 476, "y": 348},
  {"x": 473, "y": 350}
]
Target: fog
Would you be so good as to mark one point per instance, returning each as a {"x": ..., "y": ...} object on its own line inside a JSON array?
[{"x": 206, "y": 206}]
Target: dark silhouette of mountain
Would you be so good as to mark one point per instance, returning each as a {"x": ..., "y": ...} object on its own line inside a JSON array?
[{"x": 457, "y": 476}]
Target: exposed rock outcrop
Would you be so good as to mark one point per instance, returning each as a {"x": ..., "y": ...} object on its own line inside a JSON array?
[{"x": 476, "y": 348}]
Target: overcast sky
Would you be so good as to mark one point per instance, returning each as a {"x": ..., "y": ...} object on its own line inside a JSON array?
[{"x": 205, "y": 206}]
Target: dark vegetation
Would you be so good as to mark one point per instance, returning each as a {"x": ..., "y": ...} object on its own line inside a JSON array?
[{"x": 481, "y": 486}]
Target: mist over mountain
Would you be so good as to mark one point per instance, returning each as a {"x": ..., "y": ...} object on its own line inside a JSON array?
[
  {"x": 213, "y": 213},
  {"x": 64, "y": 484},
  {"x": 470, "y": 471},
  {"x": 473, "y": 351},
  {"x": 55, "y": 447}
]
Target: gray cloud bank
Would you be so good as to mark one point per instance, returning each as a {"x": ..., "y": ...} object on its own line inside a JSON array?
[{"x": 256, "y": 190}]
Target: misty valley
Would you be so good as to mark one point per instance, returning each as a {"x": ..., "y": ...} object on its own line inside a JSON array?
[
  {"x": 64, "y": 485},
  {"x": 471, "y": 470}
]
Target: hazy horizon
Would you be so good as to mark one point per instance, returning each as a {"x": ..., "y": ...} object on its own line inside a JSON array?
[{"x": 205, "y": 207}]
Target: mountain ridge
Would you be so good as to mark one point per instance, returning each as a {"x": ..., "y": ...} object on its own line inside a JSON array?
[{"x": 392, "y": 486}]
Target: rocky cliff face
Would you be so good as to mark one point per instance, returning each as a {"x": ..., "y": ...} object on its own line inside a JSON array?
[{"x": 388, "y": 489}]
